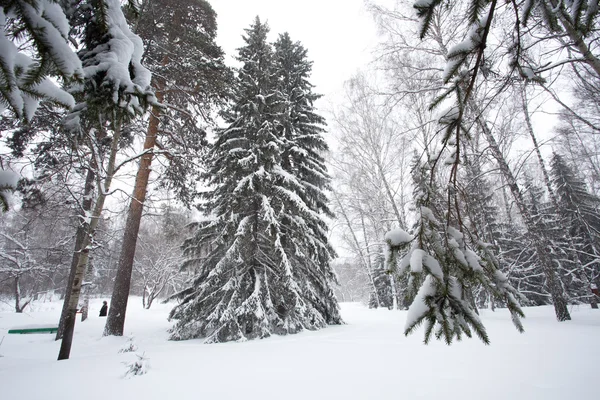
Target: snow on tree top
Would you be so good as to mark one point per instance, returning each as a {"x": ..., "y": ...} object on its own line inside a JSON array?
[
  {"x": 398, "y": 236},
  {"x": 125, "y": 47}
]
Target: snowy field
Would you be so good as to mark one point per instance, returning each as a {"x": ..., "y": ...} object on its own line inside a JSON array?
[{"x": 368, "y": 358}]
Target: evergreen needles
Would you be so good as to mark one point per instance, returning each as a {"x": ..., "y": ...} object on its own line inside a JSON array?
[{"x": 262, "y": 259}]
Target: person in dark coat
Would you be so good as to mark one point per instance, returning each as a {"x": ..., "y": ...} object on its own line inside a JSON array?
[{"x": 104, "y": 309}]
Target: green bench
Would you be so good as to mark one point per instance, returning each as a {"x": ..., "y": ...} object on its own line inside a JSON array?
[{"x": 40, "y": 329}]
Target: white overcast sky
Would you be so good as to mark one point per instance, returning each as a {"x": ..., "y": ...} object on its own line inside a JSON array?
[{"x": 339, "y": 34}]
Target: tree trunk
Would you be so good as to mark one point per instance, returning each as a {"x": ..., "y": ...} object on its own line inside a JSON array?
[
  {"x": 401, "y": 224},
  {"x": 506, "y": 202},
  {"x": 541, "y": 244},
  {"x": 87, "y": 290},
  {"x": 144, "y": 297},
  {"x": 577, "y": 37},
  {"x": 17, "y": 289},
  {"x": 65, "y": 346},
  {"x": 536, "y": 146},
  {"x": 394, "y": 293},
  {"x": 115, "y": 323},
  {"x": 82, "y": 228},
  {"x": 553, "y": 197},
  {"x": 151, "y": 298},
  {"x": 388, "y": 191},
  {"x": 595, "y": 292},
  {"x": 360, "y": 252}
]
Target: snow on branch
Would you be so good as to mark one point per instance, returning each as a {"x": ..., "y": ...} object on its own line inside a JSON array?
[{"x": 25, "y": 81}]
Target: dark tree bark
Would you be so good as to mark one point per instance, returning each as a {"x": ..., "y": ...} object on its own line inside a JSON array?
[
  {"x": 115, "y": 323},
  {"x": 86, "y": 206}
]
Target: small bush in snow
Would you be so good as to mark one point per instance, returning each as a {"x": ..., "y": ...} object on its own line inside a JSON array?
[
  {"x": 129, "y": 347},
  {"x": 137, "y": 367}
]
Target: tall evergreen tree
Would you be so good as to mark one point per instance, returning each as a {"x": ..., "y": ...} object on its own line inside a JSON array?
[
  {"x": 578, "y": 210},
  {"x": 262, "y": 260},
  {"x": 302, "y": 128},
  {"x": 304, "y": 174},
  {"x": 382, "y": 283},
  {"x": 477, "y": 196}
]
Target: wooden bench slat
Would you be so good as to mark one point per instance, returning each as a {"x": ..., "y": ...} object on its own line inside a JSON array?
[{"x": 34, "y": 330}]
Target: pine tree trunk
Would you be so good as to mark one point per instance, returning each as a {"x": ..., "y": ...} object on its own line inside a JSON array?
[
  {"x": 115, "y": 322},
  {"x": 67, "y": 341},
  {"x": 82, "y": 227},
  {"x": 540, "y": 242}
]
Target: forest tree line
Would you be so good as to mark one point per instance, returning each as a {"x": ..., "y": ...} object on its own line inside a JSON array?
[
  {"x": 440, "y": 139},
  {"x": 444, "y": 193}
]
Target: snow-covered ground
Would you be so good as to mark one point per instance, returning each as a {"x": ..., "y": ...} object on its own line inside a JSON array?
[{"x": 368, "y": 358}]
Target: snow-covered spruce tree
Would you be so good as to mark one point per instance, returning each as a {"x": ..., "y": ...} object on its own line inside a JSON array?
[
  {"x": 301, "y": 127},
  {"x": 578, "y": 212},
  {"x": 515, "y": 257},
  {"x": 304, "y": 174},
  {"x": 262, "y": 259},
  {"x": 480, "y": 216},
  {"x": 116, "y": 88},
  {"x": 444, "y": 264},
  {"x": 518, "y": 257},
  {"x": 567, "y": 266},
  {"x": 477, "y": 195},
  {"x": 544, "y": 218},
  {"x": 381, "y": 278}
]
